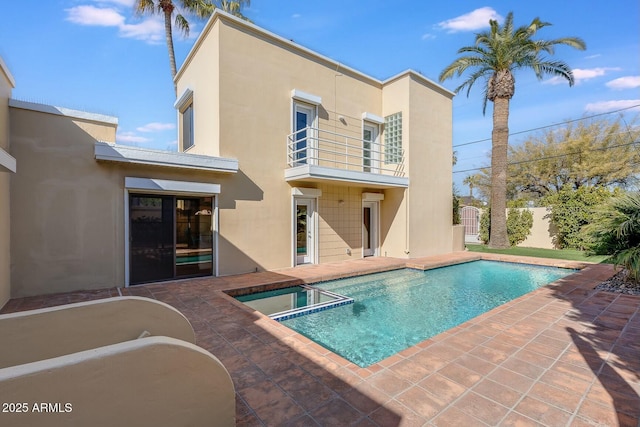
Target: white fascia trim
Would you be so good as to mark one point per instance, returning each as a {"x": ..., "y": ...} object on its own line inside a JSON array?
[
  {"x": 419, "y": 76},
  {"x": 7, "y": 162},
  {"x": 184, "y": 99},
  {"x": 370, "y": 117},
  {"x": 142, "y": 156},
  {"x": 332, "y": 174},
  {"x": 61, "y": 111},
  {"x": 299, "y": 95},
  {"x": 5, "y": 70},
  {"x": 306, "y": 192},
  {"x": 174, "y": 187},
  {"x": 372, "y": 197}
]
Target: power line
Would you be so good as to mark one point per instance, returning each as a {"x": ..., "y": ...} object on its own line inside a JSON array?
[
  {"x": 549, "y": 126},
  {"x": 608, "y": 135},
  {"x": 551, "y": 157}
]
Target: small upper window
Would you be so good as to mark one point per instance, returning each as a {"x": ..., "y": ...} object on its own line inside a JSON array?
[
  {"x": 184, "y": 105},
  {"x": 187, "y": 127}
]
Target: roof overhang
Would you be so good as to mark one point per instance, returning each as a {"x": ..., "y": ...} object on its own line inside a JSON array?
[
  {"x": 314, "y": 173},
  {"x": 143, "y": 156}
]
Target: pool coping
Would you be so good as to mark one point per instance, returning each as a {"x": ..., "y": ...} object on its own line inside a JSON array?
[{"x": 423, "y": 264}]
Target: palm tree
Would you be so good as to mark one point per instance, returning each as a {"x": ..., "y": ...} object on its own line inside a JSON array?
[
  {"x": 200, "y": 8},
  {"x": 471, "y": 181},
  {"x": 234, "y": 7},
  {"x": 496, "y": 55}
]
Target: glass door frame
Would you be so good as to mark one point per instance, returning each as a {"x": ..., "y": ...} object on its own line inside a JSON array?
[
  {"x": 149, "y": 186},
  {"x": 311, "y": 231},
  {"x": 310, "y": 141},
  {"x": 374, "y": 228},
  {"x": 372, "y": 153}
]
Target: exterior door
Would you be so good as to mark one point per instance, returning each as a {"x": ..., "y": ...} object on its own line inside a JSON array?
[
  {"x": 304, "y": 222},
  {"x": 151, "y": 238},
  {"x": 170, "y": 237},
  {"x": 370, "y": 228},
  {"x": 370, "y": 148},
  {"x": 303, "y": 118}
]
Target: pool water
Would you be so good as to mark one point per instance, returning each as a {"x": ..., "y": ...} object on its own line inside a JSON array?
[{"x": 398, "y": 309}]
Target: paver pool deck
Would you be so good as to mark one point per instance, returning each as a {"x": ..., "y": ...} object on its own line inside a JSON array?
[{"x": 562, "y": 355}]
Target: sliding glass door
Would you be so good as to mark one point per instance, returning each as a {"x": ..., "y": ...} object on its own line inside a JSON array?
[{"x": 170, "y": 237}]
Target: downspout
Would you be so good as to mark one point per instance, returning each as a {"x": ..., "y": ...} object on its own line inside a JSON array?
[{"x": 406, "y": 225}]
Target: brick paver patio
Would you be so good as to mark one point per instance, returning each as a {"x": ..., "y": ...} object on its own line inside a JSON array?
[{"x": 564, "y": 354}]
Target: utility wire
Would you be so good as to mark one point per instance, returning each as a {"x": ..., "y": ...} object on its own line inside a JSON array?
[
  {"x": 608, "y": 135},
  {"x": 551, "y": 157},
  {"x": 550, "y": 126}
]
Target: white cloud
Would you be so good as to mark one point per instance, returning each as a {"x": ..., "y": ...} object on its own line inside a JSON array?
[
  {"x": 296, "y": 16},
  {"x": 90, "y": 15},
  {"x": 150, "y": 30},
  {"x": 156, "y": 127},
  {"x": 627, "y": 82},
  {"x": 428, "y": 36},
  {"x": 471, "y": 21},
  {"x": 581, "y": 75},
  {"x": 130, "y": 137},
  {"x": 604, "y": 106},
  {"x": 597, "y": 55}
]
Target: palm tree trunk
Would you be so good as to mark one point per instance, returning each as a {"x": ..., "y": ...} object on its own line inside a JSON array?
[
  {"x": 500, "y": 139},
  {"x": 172, "y": 55}
]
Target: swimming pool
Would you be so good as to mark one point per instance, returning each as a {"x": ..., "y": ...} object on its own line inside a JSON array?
[{"x": 398, "y": 309}]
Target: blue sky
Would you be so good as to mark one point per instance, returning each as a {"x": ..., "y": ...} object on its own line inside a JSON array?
[{"x": 97, "y": 56}]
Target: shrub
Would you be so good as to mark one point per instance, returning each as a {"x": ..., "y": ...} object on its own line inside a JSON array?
[
  {"x": 616, "y": 232},
  {"x": 519, "y": 223},
  {"x": 456, "y": 210},
  {"x": 573, "y": 209}
]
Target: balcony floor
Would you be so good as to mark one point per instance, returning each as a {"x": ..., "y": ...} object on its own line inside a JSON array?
[{"x": 563, "y": 355}]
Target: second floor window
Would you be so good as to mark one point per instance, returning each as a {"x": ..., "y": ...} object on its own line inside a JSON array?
[
  {"x": 187, "y": 127},
  {"x": 393, "y": 138}
]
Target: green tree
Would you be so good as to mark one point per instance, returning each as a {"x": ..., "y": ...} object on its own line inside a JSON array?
[
  {"x": 472, "y": 181},
  {"x": 168, "y": 8},
  {"x": 616, "y": 232},
  {"x": 495, "y": 56},
  {"x": 573, "y": 209},
  {"x": 596, "y": 153}
]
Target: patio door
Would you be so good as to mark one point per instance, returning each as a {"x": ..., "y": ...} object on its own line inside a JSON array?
[
  {"x": 304, "y": 118},
  {"x": 304, "y": 223},
  {"x": 169, "y": 237},
  {"x": 370, "y": 228},
  {"x": 370, "y": 148}
]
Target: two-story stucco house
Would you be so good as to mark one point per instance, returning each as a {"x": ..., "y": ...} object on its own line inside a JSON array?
[{"x": 286, "y": 157}]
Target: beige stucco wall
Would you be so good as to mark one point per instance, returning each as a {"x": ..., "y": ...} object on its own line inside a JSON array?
[
  {"x": 67, "y": 208},
  {"x": 154, "y": 381},
  {"x": 542, "y": 231},
  {"x": 6, "y": 85},
  {"x": 421, "y": 220},
  {"x": 29, "y": 336},
  {"x": 429, "y": 154},
  {"x": 248, "y": 106}
]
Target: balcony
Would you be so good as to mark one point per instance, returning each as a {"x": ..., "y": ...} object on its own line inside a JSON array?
[{"x": 318, "y": 155}]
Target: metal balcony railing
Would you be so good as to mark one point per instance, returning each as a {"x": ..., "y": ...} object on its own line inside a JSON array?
[{"x": 314, "y": 146}]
